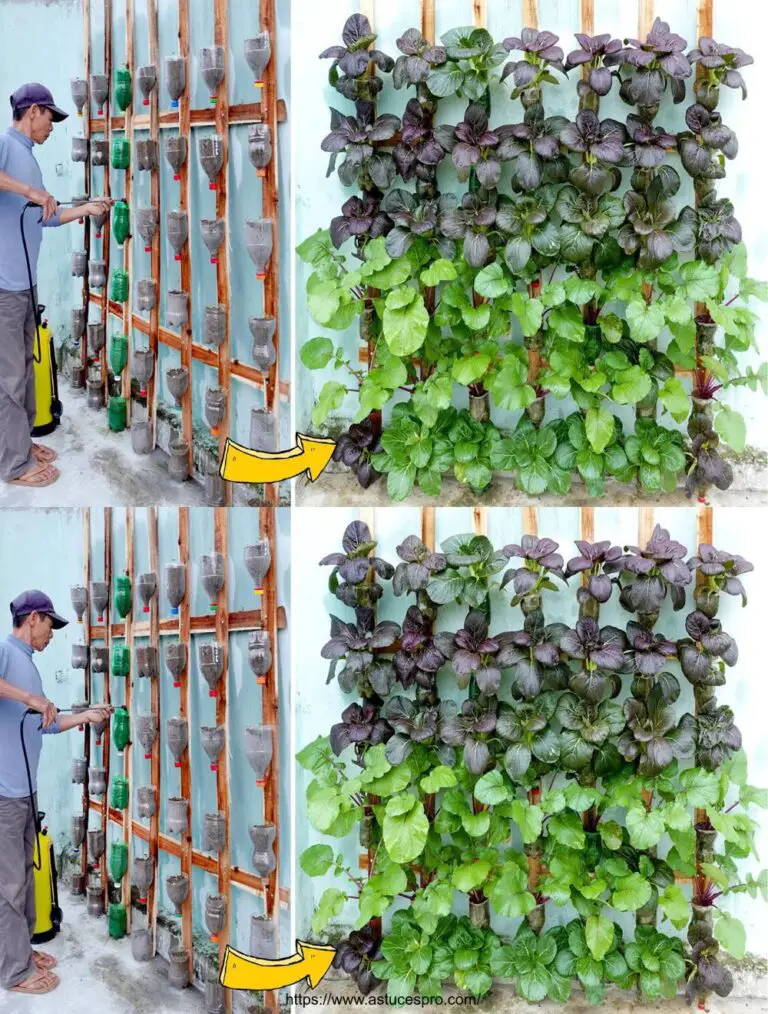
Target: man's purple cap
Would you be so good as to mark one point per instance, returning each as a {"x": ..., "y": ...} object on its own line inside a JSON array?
[
  {"x": 34, "y": 94},
  {"x": 35, "y": 601}
]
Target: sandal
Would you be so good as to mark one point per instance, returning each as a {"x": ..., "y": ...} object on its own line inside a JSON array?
[
  {"x": 44, "y": 960},
  {"x": 38, "y": 983},
  {"x": 44, "y": 454},
  {"x": 37, "y": 477}
]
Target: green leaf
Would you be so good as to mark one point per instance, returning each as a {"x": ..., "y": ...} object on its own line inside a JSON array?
[
  {"x": 566, "y": 828},
  {"x": 470, "y": 876},
  {"x": 700, "y": 281},
  {"x": 316, "y": 860},
  {"x": 610, "y": 832},
  {"x": 405, "y": 321},
  {"x": 528, "y": 311},
  {"x": 631, "y": 893},
  {"x": 491, "y": 789},
  {"x": 331, "y": 397},
  {"x": 675, "y": 906},
  {"x": 731, "y": 935},
  {"x": 567, "y": 322},
  {"x": 509, "y": 895},
  {"x": 701, "y": 787},
  {"x": 645, "y": 827},
  {"x": 476, "y": 824},
  {"x": 528, "y": 818},
  {"x": 438, "y": 778},
  {"x": 599, "y": 427},
  {"x": 534, "y": 983},
  {"x": 446, "y": 80},
  {"x": 331, "y": 905},
  {"x": 630, "y": 385},
  {"x": 405, "y": 828},
  {"x": 468, "y": 369},
  {"x": 491, "y": 282},
  {"x": 645, "y": 320},
  {"x": 611, "y": 327},
  {"x": 675, "y": 399},
  {"x": 599, "y": 933},
  {"x": 316, "y": 353},
  {"x": 441, "y": 270},
  {"x": 730, "y": 427}
]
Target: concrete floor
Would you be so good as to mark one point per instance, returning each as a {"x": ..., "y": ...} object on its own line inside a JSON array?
[
  {"x": 99, "y": 974},
  {"x": 98, "y": 468}
]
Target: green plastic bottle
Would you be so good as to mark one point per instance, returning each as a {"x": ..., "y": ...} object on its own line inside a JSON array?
[
  {"x": 117, "y": 921},
  {"x": 123, "y": 90},
  {"x": 121, "y": 660},
  {"x": 122, "y": 600},
  {"x": 120, "y": 156},
  {"x": 117, "y": 414},
  {"x": 118, "y": 288},
  {"x": 121, "y": 222},
  {"x": 121, "y": 729},
  {"x": 118, "y": 353},
  {"x": 119, "y": 798}
]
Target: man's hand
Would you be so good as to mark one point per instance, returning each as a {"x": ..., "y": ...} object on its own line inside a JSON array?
[
  {"x": 98, "y": 713},
  {"x": 46, "y": 201},
  {"x": 46, "y": 708},
  {"x": 98, "y": 207}
]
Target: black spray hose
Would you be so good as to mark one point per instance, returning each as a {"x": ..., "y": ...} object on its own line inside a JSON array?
[
  {"x": 31, "y": 204},
  {"x": 31, "y": 711}
]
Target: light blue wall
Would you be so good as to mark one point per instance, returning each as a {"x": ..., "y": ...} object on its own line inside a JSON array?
[
  {"x": 26, "y": 560},
  {"x": 318, "y": 531}
]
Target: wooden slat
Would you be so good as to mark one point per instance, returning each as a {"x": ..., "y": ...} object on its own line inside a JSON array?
[
  {"x": 248, "y": 619},
  {"x": 479, "y": 521},
  {"x": 223, "y": 872},
  {"x": 127, "y": 683},
  {"x": 87, "y": 697},
  {"x": 530, "y": 521},
  {"x": 154, "y": 200},
  {"x": 704, "y": 19},
  {"x": 185, "y": 710},
  {"x": 587, "y": 16},
  {"x": 645, "y": 524},
  {"x": 428, "y": 527},
  {"x": 587, "y": 524},
  {"x": 479, "y": 13},
  {"x": 428, "y": 24},
  {"x": 244, "y": 112},
  {"x": 530, "y": 13},
  {"x": 107, "y": 696},
  {"x": 128, "y": 194},
  {"x": 645, "y": 16},
  {"x": 155, "y": 708},
  {"x": 270, "y": 206},
  {"x": 185, "y": 203},
  {"x": 704, "y": 534}
]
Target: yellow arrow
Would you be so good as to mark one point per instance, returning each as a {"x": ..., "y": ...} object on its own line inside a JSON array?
[
  {"x": 311, "y": 455},
  {"x": 241, "y": 971}
]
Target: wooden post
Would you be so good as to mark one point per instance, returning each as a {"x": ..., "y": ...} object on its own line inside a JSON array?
[
  {"x": 645, "y": 525},
  {"x": 428, "y": 31},
  {"x": 428, "y": 527},
  {"x": 127, "y": 753},
  {"x": 185, "y": 191},
  {"x": 87, "y": 694},
  {"x": 154, "y": 200},
  {"x": 184, "y": 712},
  {"x": 645, "y": 16},
  {"x": 479, "y": 13},
  {"x": 530, "y": 13},
  {"x": 87, "y": 187},
  {"x": 106, "y": 231},
  {"x": 128, "y": 243},
  {"x": 107, "y": 737},
  {"x": 530, "y": 521},
  {"x": 587, "y": 17},
  {"x": 154, "y": 824}
]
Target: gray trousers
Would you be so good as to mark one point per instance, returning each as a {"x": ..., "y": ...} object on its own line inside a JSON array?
[
  {"x": 17, "y": 889},
  {"x": 17, "y": 381}
]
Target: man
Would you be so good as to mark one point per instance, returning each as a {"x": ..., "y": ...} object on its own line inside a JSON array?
[
  {"x": 23, "y": 970},
  {"x": 34, "y": 113}
]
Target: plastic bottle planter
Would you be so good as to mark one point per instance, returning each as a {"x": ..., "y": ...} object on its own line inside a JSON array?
[
  {"x": 259, "y": 654},
  {"x": 146, "y": 225},
  {"x": 147, "y": 661},
  {"x": 258, "y": 243},
  {"x": 146, "y": 731},
  {"x": 97, "y": 275},
  {"x": 121, "y": 729},
  {"x": 258, "y": 560},
  {"x": 78, "y": 830},
  {"x": 78, "y": 709},
  {"x": 79, "y": 656},
  {"x": 263, "y": 430},
  {"x": 176, "y": 149},
  {"x": 214, "y": 832},
  {"x": 141, "y": 945},
  {"x": 123, "y": 88},
  {"x": 118, "y": 289},
  {"x": 215, "y": 488},
  {"x": 77, "y": 378},
  {"x": 212, "y": 230},
  {"x": 175, "y": 585},
  {"x": 211, "y": 153},
  {"x": 263, "y": 839},
  {"x": 79, "y": 149},
  {"x": 212, "y": 738},
  {"x": 143, "y": 368},
  {"x": 146, "y": 296},
  {"x": 146, "y": 802},
  {"x": 143, "y": 875},
  {"x": 146, "y": 78},
  {"x": 258, "y": 749},
  {"x": 97, "y": 781},
  {"x": 212, "y": 69},
  {"x": 178, "y": 968},
  {"x": 260, "y": 147},
  {"x": 215, "y": 915},
  {"x": 141, "y": 438},
  {"x": 99, "y": 153},
  {"x": 214, "y": 997},
  {"x": 263, "y": 937},
  {"x": 100, "y": 660},
  {"x": 120, "y": 153},
  {"x": 79, "y": 90},
  {"x": 176, "y": 308},
  {"x": 96, "y": 844},
  {"x": 121, "y": 660},
  {"x": 117, "y": 922},
  {"x": 176, "y": 656},
  {"x": 118, "y": 353},
  {"x": 79, "y": 770},
  {"x": 178, "y": 461},
  {"x": 257, "y": 53},
  {"x": 211, "y": 661},
  {"x": 212, "y": 572},
  {"x": 98, "y": 730},
  {"x": 79, "y": 596},
  {"x": 175, "y": 78},
  {"x": 79, "y": 264},
  {"x": 215, "y": 408},
  {"x": 118, "y": 860},
  {"x": 77, "y": 887},
  {"x": 177, "y": 230},
  {"x": 263, "y": 349},
  {"x": 177, "y": 738},
  {"x": 99, "y": 598},
  {"x": 78, "y": 322},
  {"x": 147, "y": 155},
  {"x": 215, "y": 325},
  {"x": 95, "y": 399},
  {"x": 178, "y": 815},
  {"x": 97, "y": 337},
  {"x": 95, "y": 903},
  {"x": 146, "y": 585},
  {"x": 119, "y": 793},
  {"x": 98, "y": 222},
  {"x": 122, "y": 597},
  {"x": 99, "y": 91},
  {"x": 117, "y": 413},
  {"x": 121, "y": 222}
]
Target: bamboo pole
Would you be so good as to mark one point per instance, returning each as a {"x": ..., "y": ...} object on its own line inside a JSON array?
[
  {"x": 587, "y": 17},
  {"x": 530, "y": 521},
  {"x": 87, "y": 185},
  {"x": 479, "y": 13},
  {"x": 106, "y": 231},
  {"x": 127, "y": 752},
  {"x": 530, "y": 13},
  {"x": 428, "y": 23},
  {"x": 185, "y": 709},
  {"x": 128, "y": 243},
  {"x": 185, "y": 203},
  {"x": 645, "y": 16},
  {"x": 154, "y": 200},
  {"x": 106, "y": 739},
  {"x": 87, "y": 694},
  {"x": 155, "y": 708}
]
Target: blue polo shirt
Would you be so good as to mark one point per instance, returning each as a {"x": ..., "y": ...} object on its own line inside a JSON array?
[
  {"x": 17, "y": 668},
  {"x": 17, "y": 160}
]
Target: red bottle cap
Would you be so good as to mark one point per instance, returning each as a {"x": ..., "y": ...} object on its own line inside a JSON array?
[
  {"x": 214, "y": 260},
  {"x": 147, "y": 756},
  {"x": 176, "y": 683},
  {"x": 176, "y": 177},
  {"x": 177, "y": 257},
  {"x": 261, "y": 782},
  {"x": 215, "y": 938},
  {"x": 146, "y": 609},
  {"x": 101, "y": 111},
  {"x": 212, "y": 693},
  {"x": 143, "y": 393},
  {"x": 147, "y": 249},
  {"x": 98, "y": 234},
  {"x": 101, "y": 619},
  {"x": 146, "y": 102},
  {"x": 177, "y": 764},
  {"x": 98, "y": 742},
  {"x": 214, "y": 767},
  {"x": 143, "y": 901},
  {"x": 212, "y": 186}
]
